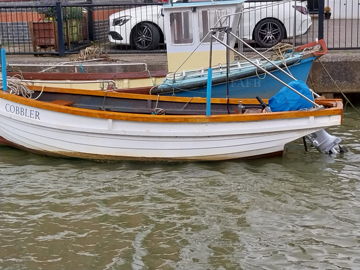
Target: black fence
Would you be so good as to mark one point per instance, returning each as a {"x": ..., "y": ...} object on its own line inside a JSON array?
[
  {"x": 129, "y": 28},
  {"x": 50, "y": 29},
  {"x": 342, "y": 24}
]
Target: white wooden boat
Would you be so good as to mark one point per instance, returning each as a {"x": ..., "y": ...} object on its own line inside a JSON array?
[{"x": 118, "y": 126}]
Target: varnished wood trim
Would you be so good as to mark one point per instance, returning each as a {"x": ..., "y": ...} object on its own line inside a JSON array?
[
  {"x": 62, "y": 102},
  {"x": 137, "y": 96},
  {"x": 138, "y": 90},
  {"x": 174, "y": 118}
]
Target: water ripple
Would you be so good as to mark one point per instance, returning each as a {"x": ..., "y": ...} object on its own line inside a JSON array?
[{"x": 298, "y": 211}]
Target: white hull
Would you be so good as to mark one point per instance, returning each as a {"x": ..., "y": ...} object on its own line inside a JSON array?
[{"x": 70, "y": 135}]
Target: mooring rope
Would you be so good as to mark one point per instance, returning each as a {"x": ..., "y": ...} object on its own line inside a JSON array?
[
  {"x": 17, "y": 87},
  {"x": 338, "y": 87},
  {"x": 89, "y": 53}
]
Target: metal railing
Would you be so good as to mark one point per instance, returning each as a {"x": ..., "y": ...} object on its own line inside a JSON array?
[
  {"x": 43, "y": 29},
  {"x": 342, "y": 23},
  {"x": 62, "y": 28}
]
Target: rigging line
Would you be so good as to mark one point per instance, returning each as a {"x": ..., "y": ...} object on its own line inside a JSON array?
[
  {"x": 69, "y": 62},
  {"x": 219, "y": 21},
  {"x": 203, "y": 40},
  {"x": 339, "y": 89},
  {"x": 187, "y": 58},
  {"x": 262, "y": 55},
  {"x": 272, "y": 75},
  {"x": 42, "y": 90},
  {"x": 267, "y": 59},
  {"x": 187, "y": 103},
  {"x": 104, "y": 99}
]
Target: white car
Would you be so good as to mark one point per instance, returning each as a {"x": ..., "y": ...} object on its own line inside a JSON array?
[{"x": 265, "y": 22}]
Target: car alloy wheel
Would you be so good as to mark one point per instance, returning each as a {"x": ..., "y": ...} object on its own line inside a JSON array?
[
  {"x": 146, "y": 36},
  {"x": 268, "y": 33}
]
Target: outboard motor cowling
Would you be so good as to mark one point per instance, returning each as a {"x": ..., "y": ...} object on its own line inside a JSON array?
[{"x": 325, "y": 143}]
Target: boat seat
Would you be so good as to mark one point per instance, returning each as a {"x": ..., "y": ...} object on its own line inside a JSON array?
[
  {"x": 253, "y": 110},
  {"x": 62, "y": 102}
]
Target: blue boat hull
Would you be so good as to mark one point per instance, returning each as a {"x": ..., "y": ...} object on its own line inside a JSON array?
[{"x": 263, "y": 85}]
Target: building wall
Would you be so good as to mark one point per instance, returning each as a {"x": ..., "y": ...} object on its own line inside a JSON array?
[
  {"x": 14, "y": 33},
  {"x": 15, "y": 24}
]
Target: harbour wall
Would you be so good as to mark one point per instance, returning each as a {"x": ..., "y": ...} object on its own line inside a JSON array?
[{"x": 335, "y": 72}]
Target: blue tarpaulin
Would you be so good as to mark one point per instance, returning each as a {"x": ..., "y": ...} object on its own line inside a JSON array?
[{"x": 287, "y": 100}]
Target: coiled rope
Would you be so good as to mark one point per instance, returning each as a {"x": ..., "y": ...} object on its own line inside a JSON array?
[
  {"x": 91, "y": 52},
  {"x": 17, "y": 86}
]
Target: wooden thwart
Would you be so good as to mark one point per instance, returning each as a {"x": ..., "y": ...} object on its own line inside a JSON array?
[{"x": 63, "y": 102}]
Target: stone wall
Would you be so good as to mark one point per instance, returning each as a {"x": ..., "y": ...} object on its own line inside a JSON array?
[{"x": 344, "y": 69}]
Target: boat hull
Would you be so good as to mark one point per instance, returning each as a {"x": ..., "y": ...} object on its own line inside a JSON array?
[
  {"x": 140, "y": 82},
  {"x": 67, "y": 134},
  {"x": 262, "y": 85},
  {"x": 93, "y": 77},
  {"x": 137, "y": 85}
]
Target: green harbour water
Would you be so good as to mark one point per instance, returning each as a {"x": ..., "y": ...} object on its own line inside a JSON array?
[{"x": 300, "y": 210}]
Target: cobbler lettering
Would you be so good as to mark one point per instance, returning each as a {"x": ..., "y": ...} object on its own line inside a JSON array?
[{"x": 25, "y": 112}]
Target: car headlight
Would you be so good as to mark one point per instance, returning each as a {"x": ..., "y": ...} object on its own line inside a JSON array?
[{"x": 121, "y": 20}]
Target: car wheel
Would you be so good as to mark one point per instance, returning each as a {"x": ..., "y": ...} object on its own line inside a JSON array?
[
  {"x": 145, "y": 36},
  {"x": 269, "y": 32}
]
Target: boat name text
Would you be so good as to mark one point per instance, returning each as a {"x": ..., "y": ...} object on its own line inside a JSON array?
[{"x": 25, "y": 112}]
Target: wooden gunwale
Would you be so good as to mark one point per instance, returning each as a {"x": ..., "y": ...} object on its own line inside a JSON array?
[
  {"x": 128, "y": 95},
  {"x": 336, "y": 110},
  {"x": 138, "y": 90}
]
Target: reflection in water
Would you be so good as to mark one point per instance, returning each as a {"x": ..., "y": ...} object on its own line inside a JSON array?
[{"x": 298, "y": 211}]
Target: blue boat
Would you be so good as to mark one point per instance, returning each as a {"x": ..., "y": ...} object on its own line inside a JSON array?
[
  {"x": 191, "y": 55},
  {"x": 244, "y": 80}
]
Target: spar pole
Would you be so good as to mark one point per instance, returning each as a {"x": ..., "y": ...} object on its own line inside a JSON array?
[{"x": 3, "y": 69}]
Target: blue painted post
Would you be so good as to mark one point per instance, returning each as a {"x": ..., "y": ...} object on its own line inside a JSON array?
[
  {"x": 209, "y": 79},
  {"x": 3, "y": 69},
  {"x": 208, "y": 92}
]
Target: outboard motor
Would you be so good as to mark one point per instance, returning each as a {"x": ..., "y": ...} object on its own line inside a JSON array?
[{"x": 325, "y": 143}]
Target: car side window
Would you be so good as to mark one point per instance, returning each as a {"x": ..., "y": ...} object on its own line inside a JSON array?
[{"x": 180, "y": 25}]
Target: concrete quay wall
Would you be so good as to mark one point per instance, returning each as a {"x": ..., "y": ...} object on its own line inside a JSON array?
[{"x": 343, "y": 67}]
